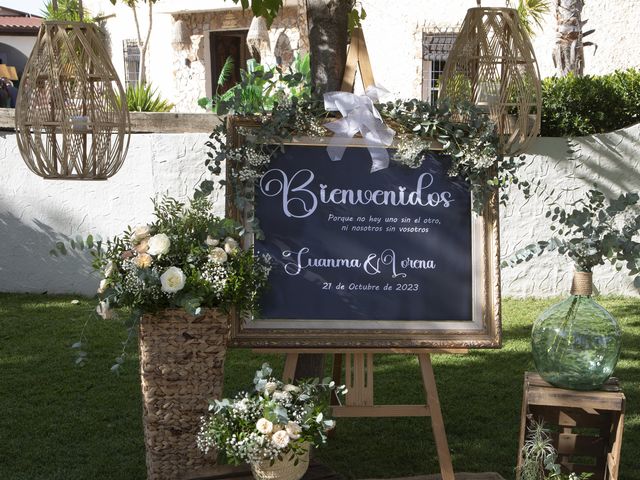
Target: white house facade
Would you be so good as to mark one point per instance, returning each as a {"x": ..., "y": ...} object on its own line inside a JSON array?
[{"x": 408, "y": 41}]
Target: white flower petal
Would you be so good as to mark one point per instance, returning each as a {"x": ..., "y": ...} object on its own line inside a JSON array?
[
  {"x": 172, "y": 280},
  {"x": 159, "y": 245}
]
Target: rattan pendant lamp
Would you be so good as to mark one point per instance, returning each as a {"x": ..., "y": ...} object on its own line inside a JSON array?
[
  {"x": 70, "y": 122},
  {"x": 492, "y": 65}
]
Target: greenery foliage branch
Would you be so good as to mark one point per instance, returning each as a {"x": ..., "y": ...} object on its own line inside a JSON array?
[
  {"x": 463, "y": 132},
  {"x": 593, "y": 231}
]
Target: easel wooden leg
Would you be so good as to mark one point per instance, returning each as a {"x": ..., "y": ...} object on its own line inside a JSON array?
[
  {"x": 290, "y": 364},
  {"x": 437, "y": 422}
]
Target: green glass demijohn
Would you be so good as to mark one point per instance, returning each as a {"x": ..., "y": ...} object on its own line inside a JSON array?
[{"x": 576, "y": 343}]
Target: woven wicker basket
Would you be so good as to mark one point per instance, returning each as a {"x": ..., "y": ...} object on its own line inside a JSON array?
[
  {"x": 181, "y": 369},
  {"x": 282, "y": 469}
]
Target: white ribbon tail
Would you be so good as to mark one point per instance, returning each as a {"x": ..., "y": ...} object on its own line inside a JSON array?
[{"x": 359, "y": 116}]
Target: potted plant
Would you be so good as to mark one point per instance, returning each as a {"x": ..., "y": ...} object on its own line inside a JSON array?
[
  {"x": 178, "y": 277},
  {"x": 272, "y": 427},
  {"x": 539, "y": 457},
  {"x": 576, "y": 343}
]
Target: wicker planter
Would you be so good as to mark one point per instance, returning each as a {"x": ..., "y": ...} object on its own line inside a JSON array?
[
  {"x": 282, "y": 469},
  {"x": 181, "y": 369}
]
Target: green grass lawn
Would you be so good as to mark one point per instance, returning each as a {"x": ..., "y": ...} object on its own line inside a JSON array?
[{"x": 60, "y": 421}]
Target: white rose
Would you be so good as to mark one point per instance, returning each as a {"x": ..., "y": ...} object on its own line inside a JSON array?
[
  {"x": 172, "y": 280},
  {"x": 218, "y": 255},
  {"x": 270, "y": 387},
  {"x": 230, "y": 245},
  {"x": 212, "y": 242},
  {"x": 104, "y": 311},
  {"x": 281, "y": 396},
  {"x": 140, "y": 233},
  {"x": 159, "y": 244},
  {"x": 280, "y": 439},
  {"x": 242, "y": 405},
  {"x": 293, "y": 430},
  {"x": 108, "y": 269},
  {"x": 290, "y": 388},
  {"x": 264, "y": 426},
  {"x": 104, "y": 283},
  {"x": 329, "y": 425}
]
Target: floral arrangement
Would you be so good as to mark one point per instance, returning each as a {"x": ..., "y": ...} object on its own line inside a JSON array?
[
  {"x": 187, "y": 258},
  {"x": 274, "y": 422}
]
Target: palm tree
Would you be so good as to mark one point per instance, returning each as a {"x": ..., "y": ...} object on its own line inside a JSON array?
[
  {"x": 531, "y": 13},
  {"x": 568, "y": 54}
]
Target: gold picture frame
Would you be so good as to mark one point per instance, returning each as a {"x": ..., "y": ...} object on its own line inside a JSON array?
[{"x": 484, "y": 331}]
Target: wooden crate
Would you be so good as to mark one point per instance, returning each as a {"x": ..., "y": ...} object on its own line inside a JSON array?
[{"x": 587, "y": 426}]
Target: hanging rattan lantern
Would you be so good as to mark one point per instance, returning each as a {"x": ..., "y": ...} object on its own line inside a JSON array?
[
  {"x": 71, "y": 122},
  {"x": 181, "y": 35},
  {"x": 258, "y": 37},
  {"x": 492, "y": 64}
]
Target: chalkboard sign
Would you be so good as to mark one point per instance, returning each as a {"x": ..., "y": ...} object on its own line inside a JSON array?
[
  {"x": 393, "y": 258},
  {"x": 350, "y": 244}
]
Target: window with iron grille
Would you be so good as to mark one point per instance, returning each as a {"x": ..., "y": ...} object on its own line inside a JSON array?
[
  {"x": 131, "y": 62},
  {"x": 435, "y": 51}
]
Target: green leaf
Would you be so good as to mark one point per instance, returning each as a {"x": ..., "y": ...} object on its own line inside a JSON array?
[{"x": 61, "y": 248}]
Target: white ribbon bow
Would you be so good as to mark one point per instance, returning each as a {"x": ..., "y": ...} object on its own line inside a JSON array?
[{"x": 359, "y": 115}]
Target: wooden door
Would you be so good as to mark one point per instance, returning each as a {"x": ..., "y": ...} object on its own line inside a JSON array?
[{"x": 224, "y": 44}]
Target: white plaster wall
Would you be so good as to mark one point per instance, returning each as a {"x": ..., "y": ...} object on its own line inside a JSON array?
[
  {"x": 121, "y": 27},
  {"x": 611, "y": 161},
  {"x": 394, "y": 37},
  {"x": 35, "y": 213},
  {"x": 23, "y": 43}
]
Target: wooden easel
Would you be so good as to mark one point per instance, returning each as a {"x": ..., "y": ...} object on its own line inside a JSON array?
[
  {"x": 359, "y": 362},
  {"x": 359, "y": 398}
]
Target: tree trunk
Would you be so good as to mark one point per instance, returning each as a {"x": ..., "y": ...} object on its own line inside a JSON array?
[
  {"x": 568, "y": 54},
  {"x": 143, "y": 44},
  {"x": 328, "y": 36}
]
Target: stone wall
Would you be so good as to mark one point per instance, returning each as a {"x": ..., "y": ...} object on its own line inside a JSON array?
[
  {"x": 191, "y": 65},
  {"x": 35, "y": 213}
]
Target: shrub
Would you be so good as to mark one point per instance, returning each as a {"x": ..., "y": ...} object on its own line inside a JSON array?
[
  {"x": 144, "y": 98},
  {"x": 574, "y": 106},
  {"x": 261, "y": 87}
]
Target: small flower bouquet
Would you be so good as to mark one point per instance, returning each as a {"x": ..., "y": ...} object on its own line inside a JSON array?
[
  {"x": 187, "y": 258},
  {"x": 276, "y": 422}
]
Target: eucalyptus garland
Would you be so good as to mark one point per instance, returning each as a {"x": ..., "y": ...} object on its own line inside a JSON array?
[{"x": 462, "y": 131}]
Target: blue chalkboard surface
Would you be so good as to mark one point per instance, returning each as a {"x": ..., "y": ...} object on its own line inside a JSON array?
[{"x": 347, "y": 244}]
